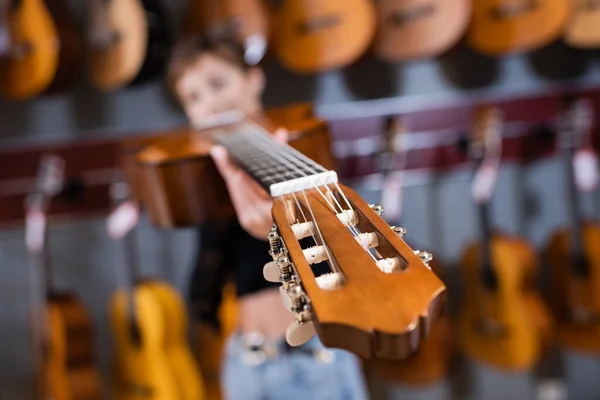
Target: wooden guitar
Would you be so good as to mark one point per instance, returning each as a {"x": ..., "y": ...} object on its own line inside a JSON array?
[
  {"x": 68, "y": 362},
  {"x": 70, "y": 61},
  {"x": 250, "y": 17},
  {"x": 415, "y": 29},
  {"x": 573, "y": 254},
  {"x": 503, "y": 321},
  {"x": 30, "y": 47},
  {"x": 314, "y": 36},
  {"x": 505, "y": 26},
  {"x": 117, "y": 41},
  {"x": 153, "y": 359},
  {"x": 583, "y": 29}
]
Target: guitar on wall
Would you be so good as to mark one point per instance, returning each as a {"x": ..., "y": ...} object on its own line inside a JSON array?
[
  {"x": 573, "y": 254},
  {"x": 29, "y": 48},
  {"x": 117, "y": 42},
  {"x": 502, "y": 26},
  {"x": 503, "y": 321},
  {"x": 315, "y": 36},
  {"x": 69, "y": 370},
  {"x": 431, "y": 361},
  {"x": 411, "y": 30},
  {"x": 583, "y": 29},
  {"x": 70, "y": 60},
  {"x": 250, "y": 17},
  {"x": 149, "y": 324}
]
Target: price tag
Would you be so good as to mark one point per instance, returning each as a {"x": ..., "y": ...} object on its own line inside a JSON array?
[
  {"x": 391, "y": 197},
  {"x": 122, "y": 220},
  {"x": 485, "y": 181},
  {"x": 585, "y": 167},
  {"x": 35, "y": 227}
]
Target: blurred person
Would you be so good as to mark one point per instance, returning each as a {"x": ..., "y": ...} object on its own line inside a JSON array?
[{"x": 208, "y": 75}]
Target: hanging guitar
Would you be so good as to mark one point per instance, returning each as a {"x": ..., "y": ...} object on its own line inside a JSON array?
[
  {"x": 69, "y": 370},
  {"x": 153, "y": 360},
  {"x": 29, "y": 48},
  {"x": 431, "y": 361},
  {"x": 380, "y": 298},
  {"x": 117, "y": 42},
  {"x": 572, "y": 254},
  {"x": 411, "y": 30},
  {"x": 583, "y": 25},
  {"x": 503, "y": 321},
  {"x": 503, "y": 26}
]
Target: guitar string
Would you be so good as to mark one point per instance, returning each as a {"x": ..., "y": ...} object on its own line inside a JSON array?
[
  {"x": 290, "y": 153},
  {"x": 287, "y": 152}
]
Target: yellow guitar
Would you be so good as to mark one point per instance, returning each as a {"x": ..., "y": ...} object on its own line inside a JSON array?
[{"x": 153, "y": 358}]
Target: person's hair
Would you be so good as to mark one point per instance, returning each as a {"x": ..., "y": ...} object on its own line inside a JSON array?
[{"x": 219, "y": 41}]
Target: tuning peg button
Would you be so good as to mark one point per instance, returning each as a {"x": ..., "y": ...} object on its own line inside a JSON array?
[
  {"x": 271, "y": 272},
  {"x": 285, "y": 299},
  {"x": 300, "y": 331}
]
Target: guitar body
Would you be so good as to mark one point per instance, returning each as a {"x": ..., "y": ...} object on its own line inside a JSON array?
[
  {"x": 314, "y": 36},
  {"x": 30, "y": 65},
  {"x": 180, "y": 357},
  {"x": 507, "y": 327},
  {"x": 160, "y": 39},
  {"x": 119, "y": 43},
  {"x": 143, "y": 370},
  {"x": 503, "y": 26},
  {"x": 415, "y": 29},
  {"x": 71, "y": 47},
  {"x": 70, "y": 367},
  {"x": 574, "y": 299},
  {"x": 583, "y": 27},
  {"x": 253, "y": 16}
]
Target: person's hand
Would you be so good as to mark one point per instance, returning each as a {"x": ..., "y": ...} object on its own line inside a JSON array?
[{"x": 251, "y": 202}]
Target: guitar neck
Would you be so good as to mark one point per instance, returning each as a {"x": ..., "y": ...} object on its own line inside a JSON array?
[
  {"x": 278, "y": 168},
  {"x": 574, "y": 209}
]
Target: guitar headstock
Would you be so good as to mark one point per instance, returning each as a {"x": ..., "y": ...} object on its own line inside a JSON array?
[
  {"x": 50, "y": 180},
  {"x": 486, "y": 133},
  {"x": 379, "y": 298}
]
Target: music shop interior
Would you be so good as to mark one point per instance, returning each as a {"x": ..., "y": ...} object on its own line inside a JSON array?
[{"x": 299, "y": 199}]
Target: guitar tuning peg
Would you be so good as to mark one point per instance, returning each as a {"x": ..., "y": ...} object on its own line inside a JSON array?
[
  {"x": 378, "y": 208},
  {"x": 301, "y": 330},
  {"x": 271, "y": 272},
  {"x": 425, "y": 256},
  {"x": 400, "y": 231}
]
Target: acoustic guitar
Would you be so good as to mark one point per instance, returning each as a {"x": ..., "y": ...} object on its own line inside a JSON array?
[
  {"x": 573, "y": 254},
  {"x": 68, "y": 365},
  {"x": 582, "y": 29},
  {"x": 379, "y": 299},
  {"x": 503, "y": 26},
  {"x": 411, "y": 30},
  {"x": 149, "y": 323},
  {"x": 70, "y": 60},
  {"x": 249, "y": 17},
  {"x": 503, "y": 321},
  {"x": 315, "y": 36},
  {"x": 30, "y": 49},
  {"x": 117, "y": 42}
]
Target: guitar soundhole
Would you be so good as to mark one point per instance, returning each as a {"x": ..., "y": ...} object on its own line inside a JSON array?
[
  {"x": 318, "y": 24},
  {"x": 513, "y": 10},
  {"x": 402, "y": 17}
]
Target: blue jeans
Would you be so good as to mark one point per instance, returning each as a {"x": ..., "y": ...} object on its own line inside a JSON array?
[{"x": 336, "y": 375}]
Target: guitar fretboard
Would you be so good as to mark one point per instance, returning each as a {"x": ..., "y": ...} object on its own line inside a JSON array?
[{"x": 278, "y": 168}]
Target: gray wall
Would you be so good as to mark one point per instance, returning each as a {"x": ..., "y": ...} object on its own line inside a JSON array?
[{"x": 86, "y": 260}]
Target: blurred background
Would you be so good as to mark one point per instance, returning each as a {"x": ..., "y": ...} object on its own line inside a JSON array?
[{"x": 403, "y": 104}]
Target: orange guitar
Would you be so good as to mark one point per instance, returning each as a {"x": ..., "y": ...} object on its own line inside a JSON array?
[
  {"x": 313, "y": 35},
  {"x": 583, "y": 26},
  {"x": 30, "y": 49},
  {"x": 69, "y": 370},
  {"x": 505, "y": 26},
  {"x": 573, "y": 254},
  {"x": 409, "y": 30},
  {"x": 502, "y": 320}
]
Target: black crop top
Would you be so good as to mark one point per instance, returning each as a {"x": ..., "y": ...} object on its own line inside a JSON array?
[{"x": 225, "y": 251}]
